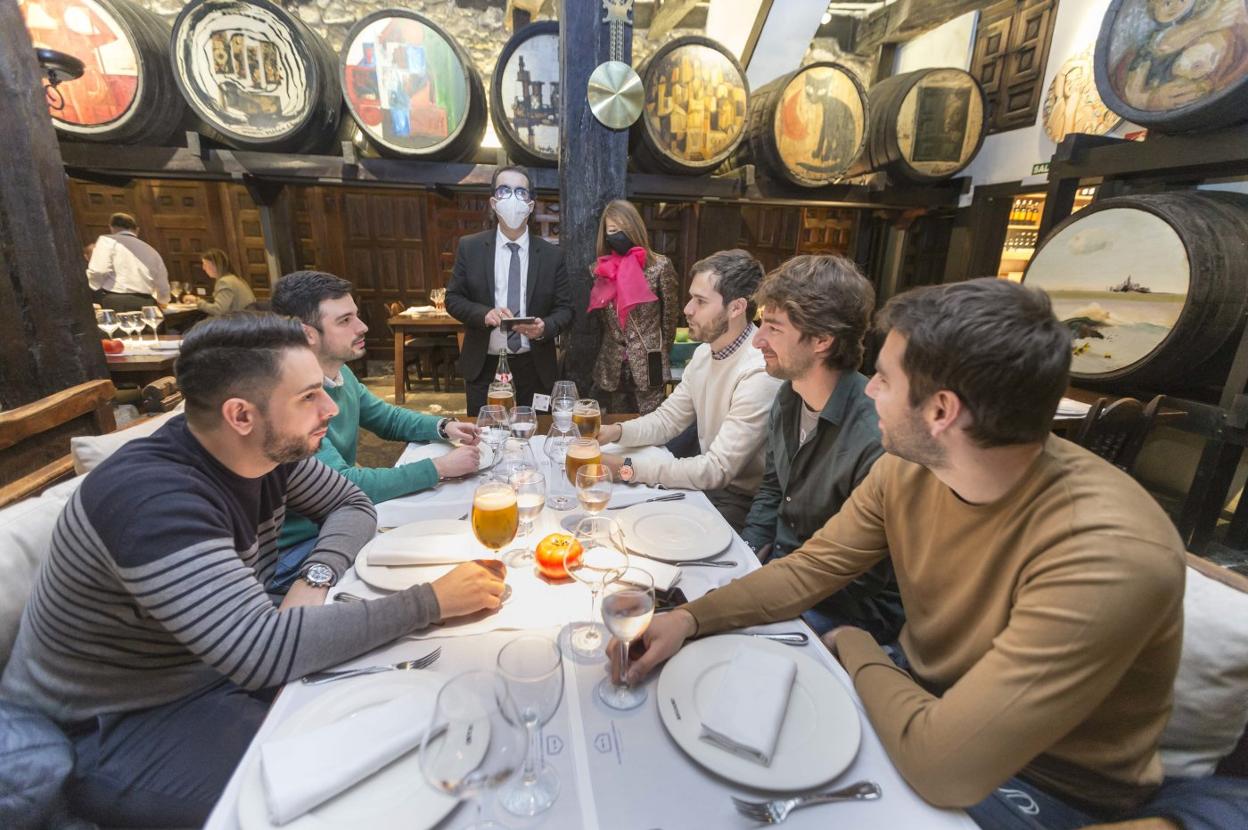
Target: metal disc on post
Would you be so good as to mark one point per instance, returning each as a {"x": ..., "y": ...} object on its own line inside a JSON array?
[{"x": 615, "y": 94}]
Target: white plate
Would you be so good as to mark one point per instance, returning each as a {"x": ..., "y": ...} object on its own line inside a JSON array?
[
  {"x": 165, "y": 345},
  {"x": 821, "y": 730},
  {"x": 674, "y": 531},
  {"x": 405, "y": 576},
  {"x": 397, "y": 797}
]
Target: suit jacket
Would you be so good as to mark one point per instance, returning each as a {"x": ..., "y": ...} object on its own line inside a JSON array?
[{"x": 470, "y": 296}]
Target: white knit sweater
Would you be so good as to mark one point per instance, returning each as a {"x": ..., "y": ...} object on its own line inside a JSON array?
[{"x": 730, "y": 400}]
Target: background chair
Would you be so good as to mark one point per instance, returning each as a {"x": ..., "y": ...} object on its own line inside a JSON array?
[
  {"x": 1117, "y": 431},
  {"x": 438, "y": 352}
]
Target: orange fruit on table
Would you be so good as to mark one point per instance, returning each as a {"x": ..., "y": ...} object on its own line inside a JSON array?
[{"x": 551, "y": 552}]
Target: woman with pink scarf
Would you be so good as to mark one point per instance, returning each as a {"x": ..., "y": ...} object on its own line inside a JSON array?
[{"x": 634, "y": 294}]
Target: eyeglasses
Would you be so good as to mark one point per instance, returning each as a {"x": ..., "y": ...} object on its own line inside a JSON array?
[{"x": 505, "y": 190}]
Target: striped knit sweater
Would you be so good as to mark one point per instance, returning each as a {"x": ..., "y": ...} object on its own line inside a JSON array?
[{"x": 154, "y": 585}]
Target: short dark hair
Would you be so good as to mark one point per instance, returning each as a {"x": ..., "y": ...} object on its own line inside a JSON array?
[
  {"x": 299, "y": 294},
  {"x": 995, "y": 344},
  {"x": 517, "y": 168},
  {"x": 823, "y": 295},
  {"x": 124, "y": 221},
  {"x": 235, "y": 355},
  {"x": 738, "y": 275}
]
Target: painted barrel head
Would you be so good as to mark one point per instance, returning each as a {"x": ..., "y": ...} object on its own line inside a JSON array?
[
  {"x": 695, "y": 107},
  {"x": 531, "y": 92},
  {"x": 940, "y": 122},
  {"x": 820, "y": 124}
]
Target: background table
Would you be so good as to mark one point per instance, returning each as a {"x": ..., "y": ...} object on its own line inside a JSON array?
[
  {"x": 616, "y": 769},
  {"x": 141, "y": 365},
  {"x": 430, "y": 324}
]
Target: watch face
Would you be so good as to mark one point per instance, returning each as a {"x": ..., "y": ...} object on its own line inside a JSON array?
[{"x": 319, "y": 576}]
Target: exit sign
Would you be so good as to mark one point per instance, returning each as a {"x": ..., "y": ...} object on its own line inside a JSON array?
[{"x": 1040, "y": 169}]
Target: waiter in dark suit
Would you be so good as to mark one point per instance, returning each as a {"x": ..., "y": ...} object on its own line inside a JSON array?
[{"x": 508, "y": 272}]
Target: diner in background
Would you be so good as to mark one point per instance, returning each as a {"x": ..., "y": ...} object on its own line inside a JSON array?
[
  {"x": 124, "y": 272},
  {"x": 324, "y": 306},
  {"x": 635, "y": 295},
  {"x": 822, "y": 433},
  {"x": 725, "y": 390},
  {"x": 230, "y": 292},
  {"x": 509, "y": 272},
  {"x": 1043, "y": 586},
  {"x": 149, "y": 636}
]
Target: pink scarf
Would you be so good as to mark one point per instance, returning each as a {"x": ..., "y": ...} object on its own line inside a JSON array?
[{"x": 621, "y": 279}]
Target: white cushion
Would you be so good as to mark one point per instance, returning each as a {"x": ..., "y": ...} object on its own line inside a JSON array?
[
  {"x": 1211, "y": 690},
  {"x": 89, "y": 450}
]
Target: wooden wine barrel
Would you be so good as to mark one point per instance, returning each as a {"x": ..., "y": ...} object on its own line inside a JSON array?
[
  {"x": 924, "y": 126},
  {"x": 127, "y": 94},
  {"x": 1153, "y": 287},
  {"x": 1174, "y": 71},
  {"x": 257, "y": 76},
  {"x": 524, "y": 98},
  {"x": 413, "y": 91},
  {"x": 807, "y": 127},
  {"x": 697, "y": 97}
]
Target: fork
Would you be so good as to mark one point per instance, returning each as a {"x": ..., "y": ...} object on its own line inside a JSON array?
[
  {"x": 774, "y": 812},
  {"x": 668, "y": 497},
  {"x": 317, "y": 678}
]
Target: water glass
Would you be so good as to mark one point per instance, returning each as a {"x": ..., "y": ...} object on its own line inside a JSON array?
[
  {"x": 530, "y": 487},
  {"x": 492, "y": 422},
  {"x": 627, "y": 608},
  {"x": 532, "y": 667},
  {"x": 152, "y": 317},
  {"x": 107, "y": 320},
  {"x": 602, "y": 561},
  {"x": 558, "y": 439},
  {"x": 523, "y": 422},
  {"x": 593, "y": 487}
]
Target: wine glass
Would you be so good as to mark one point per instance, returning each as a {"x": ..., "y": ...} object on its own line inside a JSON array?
[
  {"x": 593, "y": 487},
  {"x": 131, "y": 323},
  {"x": 532, "y": 667},
  {"x": 437, "y": 296},
  {"x": 580, "y": 452},
  {"x": 627, "y": 608},
  {"x": 495, "y": 515},
  {"x": 564, "y": 390},
  {"x": 530, "y": 487},
  {"x": 492, "y": 422},
  {"x": 475, "y": 739},
  {"x": 555, "y": 447},
  {"x": 587, "y": 416},
  {"x": 107, "y": 320},
  {"x": 501, "y": 393},
  {"x": 601, "y": 561},
  {"x": 516, "y": 455},
  {"x": 523, "y": 422},
  {"x": 175, "y": 291},
  {"x": 152, "y": 317}
]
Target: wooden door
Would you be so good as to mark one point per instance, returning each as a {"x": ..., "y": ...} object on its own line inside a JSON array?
[
  {"x": 1011, "y": 51},
  {"x": 827, "y": 230}
]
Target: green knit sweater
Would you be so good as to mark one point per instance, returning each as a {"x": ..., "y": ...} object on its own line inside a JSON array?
[{"x": 357, "y": 407}]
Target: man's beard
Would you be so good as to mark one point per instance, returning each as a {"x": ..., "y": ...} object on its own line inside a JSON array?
[
  {"x": 714, "y": 329},
  {"x": 792, "y": 371},
  {"x": 910, "y": 441},
  {"x": 284, "y": 449}
]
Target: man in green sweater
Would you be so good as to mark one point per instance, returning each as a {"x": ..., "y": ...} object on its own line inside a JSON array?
[{"x": 323, "y": 303}]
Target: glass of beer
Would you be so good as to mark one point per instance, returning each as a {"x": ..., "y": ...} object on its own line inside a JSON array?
[
  {"x": 501, "y": 394},
  {"x": 495, "y": 515},
  {"x": 588, "y": 417},
  {"x": 581, "y": 451},
  {"x": 593, "y": 487}
]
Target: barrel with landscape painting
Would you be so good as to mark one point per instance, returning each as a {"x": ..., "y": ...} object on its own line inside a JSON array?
[
  {"x": 127, "y": 94},
  {"x": 524, "y": 98},
  {"x": 1174, "y": 66},
  {"x": 257, "y": 76},
  {"x": 696, "y": 100},
  {"x": 1154, "y": 287},
  {"x": 924, "y": 126},
  {"x": 806, "y": 127},
  {"x": 412, "y": 89}
]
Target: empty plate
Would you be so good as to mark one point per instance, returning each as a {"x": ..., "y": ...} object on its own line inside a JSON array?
[{"x": 674, "y": 531}]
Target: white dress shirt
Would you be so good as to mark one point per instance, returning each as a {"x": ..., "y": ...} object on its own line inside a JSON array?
[
  {"x": 502, "y": 267},
  {"x": 124, "y": 264}
]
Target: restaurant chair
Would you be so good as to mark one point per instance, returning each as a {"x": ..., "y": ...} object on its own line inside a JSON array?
[
  {"x": 1117, "y": 431},
  {"x": 439, "y": 352}
]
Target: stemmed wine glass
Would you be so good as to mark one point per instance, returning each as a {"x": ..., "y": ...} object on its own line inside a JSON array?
[
  {"x": 523, "y": 422},
  {"x": 107, "y": 320},
  {"x": 587, "y": 415},
  {"x": 152, "y": 317},
  {"x": 627, "y": 608},
  {"x": 563, "y": 397},
  {"x": 580, "y": 452},
  {"x": 475, "y": 739},
  {"x": 558, "y": 439},
  {"x": 492, "y": 423},
  {"x": 131, "y": 323},
  {"x": 495, "y": 515},
  {"x": 593, "y": 487},
  {"x": 501, "y": 393},
  {"x": 516, "y": 455},
  {"x": 601, "y": 561},
  {"x": 532, "y": 666},
  {"x": 530, "y": 487}
]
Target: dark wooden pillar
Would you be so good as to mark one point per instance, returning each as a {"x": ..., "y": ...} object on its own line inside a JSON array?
[
  {"x": 48, "y": 337},
  {"x": 277, "y": 225},
  {"x": 593, "y": 163}
]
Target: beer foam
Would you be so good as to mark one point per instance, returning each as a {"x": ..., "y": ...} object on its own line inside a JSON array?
[
  {"x": 495, "y": 499},
  {"x": 583, "y": 451}
]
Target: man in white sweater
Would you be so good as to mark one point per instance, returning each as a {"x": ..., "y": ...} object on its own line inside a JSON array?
[{"x": 725, "y": 389}]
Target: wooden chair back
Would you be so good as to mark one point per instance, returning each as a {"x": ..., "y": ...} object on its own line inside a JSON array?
[{"x": 1117, "y": 431}]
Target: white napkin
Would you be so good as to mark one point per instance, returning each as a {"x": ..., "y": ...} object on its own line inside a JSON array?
[
  {"x": 434, "y": 549},
  {"x": 1069, "y": 406},
  {"x": 305, "y": 770},
  {"x": 748, "y": 708},
  {"x": 418, "y": 309},
  {"x": 664, "y": 575}
]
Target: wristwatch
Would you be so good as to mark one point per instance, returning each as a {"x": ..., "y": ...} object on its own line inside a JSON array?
[
  {"x": 318, "y": 575},
  {"x": 626, "y": 470},
  {"x": 442, "y": 429}
]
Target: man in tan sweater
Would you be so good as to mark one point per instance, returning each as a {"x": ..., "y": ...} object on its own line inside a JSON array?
[
  {"x": 725, "y": 389},
  {"x": 1043, "y": 587}
]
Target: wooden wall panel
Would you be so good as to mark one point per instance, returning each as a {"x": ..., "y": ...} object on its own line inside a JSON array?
[
  {"x": 1011, "y": 51},
  {"x": 827, "y": 230}
]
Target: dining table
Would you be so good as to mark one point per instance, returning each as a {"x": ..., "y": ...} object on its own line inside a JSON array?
[
  {"x": 407, "y": 325},
  {"x": 143, "y": 361},
  {"x": 618, "y": 770}
]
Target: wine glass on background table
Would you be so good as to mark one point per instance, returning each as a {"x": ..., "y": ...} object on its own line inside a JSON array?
[
  {"x": 131, "y": 323},
  {"x": 580, "y": 452},
  {"x": 530, "y": 487},
  {"x": 152, "y": 317},
  {"x": 627, "y": 608},
  {"x": 437, "y": 296},
  {"x": 532, "y": 666},
  {"x": 175, "y": 291},
  {"x": 601, "y": 561},
  {"x": 492, "y": 422},
  {"x": 475, "y": 740},
  {"x": 107, "y": 320}
]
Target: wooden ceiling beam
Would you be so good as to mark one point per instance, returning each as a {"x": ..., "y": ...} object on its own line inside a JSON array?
[{"x": 907, "y": 19}]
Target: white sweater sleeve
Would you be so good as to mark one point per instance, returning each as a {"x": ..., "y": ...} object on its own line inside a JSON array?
[{"x": 673, "y": 417}]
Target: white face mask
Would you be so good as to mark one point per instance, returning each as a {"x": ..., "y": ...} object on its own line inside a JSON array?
[{"x": 512, "y": 212}]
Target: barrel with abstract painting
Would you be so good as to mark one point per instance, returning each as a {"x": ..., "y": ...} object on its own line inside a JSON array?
[
  {"x": 524, "y": 98},
  {"x": 1154, "y": 287}
]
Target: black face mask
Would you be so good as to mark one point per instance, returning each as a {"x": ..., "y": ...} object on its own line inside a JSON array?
[{"x": 619, "y": 242}]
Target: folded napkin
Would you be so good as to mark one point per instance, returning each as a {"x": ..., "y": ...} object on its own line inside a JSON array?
[
  {"x": 664, "y": 575},
  {"x": 748, "y": 708},
  {"x": 434, "y": 549},
  {"x": 418, "y": 309},
  {"x": 1069, "y": 406},
  {"x": 305, "y": 770}
]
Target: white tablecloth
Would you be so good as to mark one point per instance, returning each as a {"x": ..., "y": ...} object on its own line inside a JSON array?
[{"x": 617, "y": 769}]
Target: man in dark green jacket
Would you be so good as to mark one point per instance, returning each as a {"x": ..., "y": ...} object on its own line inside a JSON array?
[
  {"x": 823, "y": 433},
  {"x": 331, "y": 320}
]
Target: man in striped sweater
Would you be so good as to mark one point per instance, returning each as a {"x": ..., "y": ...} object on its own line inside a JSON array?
[{"x": 149, "y": 635}]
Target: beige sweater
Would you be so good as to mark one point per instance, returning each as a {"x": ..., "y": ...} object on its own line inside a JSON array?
[
  {"x": 730, "y": 400},
  {"x": 1043, "y": 629}
]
